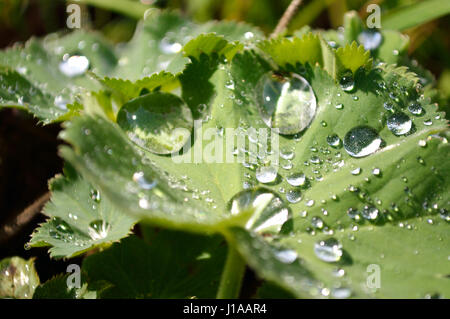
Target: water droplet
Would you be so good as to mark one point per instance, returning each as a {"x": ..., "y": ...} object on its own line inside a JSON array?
[
  {"x": 329, "y": 250},
  {"x": 399, "y": 123},
  {"x": 341, "y": 293},
  {"x": 293, "y": 196},
  {"x": 266, "y": 174},
  {"x": 269, "y": 210},
  {"x": 287, "y": 154},
  {"x": 376, "y": 171},
  {"x": 296, "y": 179},
  {"x": 61, "y": 225},
  {"x": 74, "y": 65},
  {"x": 317, "y": 222},
  {"x": 334, "y": 141},
  {"x": 362, "y": 141},
  {"x": 370, "y": 39},
  {"x": 288, "y": 105},
  {"x": 159, "y": 122},
  {"x": 98, "y": 229},
  {"x": 287, "y": 256},
  {"x": 143, "y": 182},
  {"x": 370, "y": 212},
  {"x": 347, "y": 83},
  {"x": 415, "y": 108},
  {"x": 95, "y": 195},
  {"x": 168, "y": 46}
]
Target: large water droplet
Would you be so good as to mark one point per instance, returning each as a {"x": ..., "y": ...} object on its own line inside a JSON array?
[
  {"x": 74, "y": 66},
  {"x": 329, "y": 250},
  {"x": 399, "y": 123},
  {"x": 288, "y": 105},
  {"x": 269, "y": 210},
  {"x": 362, "y": 141},
  {"x": 159, "y": 122},
  {"x": 370, "y": 39}
]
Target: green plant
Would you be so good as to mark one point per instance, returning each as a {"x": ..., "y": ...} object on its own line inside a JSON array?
[{"x": 363, "y": 180}]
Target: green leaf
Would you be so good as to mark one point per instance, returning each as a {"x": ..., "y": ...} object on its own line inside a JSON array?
[
  {"x": 80, "y": 219},
  {"x": 209, "y": 44},
  {"x": 57, "y": 288},
  {"x": 129, "y": 178},
  {"x": 389, "y": 46},
  {"x": 158, "y": 42},
  {"x": 415, "y": 14},
  {"x": 18, "y": 278},
  {"x": 52, "y": 73},
  {"x": 170, "y": 265},
  {"x": 312, "y": 49},
  {"x": 352, "y": 57},
  {"x": 395, "y": 182},
  {"x": 163, "y": 80}
]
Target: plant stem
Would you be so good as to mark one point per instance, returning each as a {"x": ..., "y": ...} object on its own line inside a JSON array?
[
  {"x": 133, "y": 9},
  {"x": 233, "y": 273},
  {"x": 11, "y": 227},
  {"x": 286, "y": 18}
]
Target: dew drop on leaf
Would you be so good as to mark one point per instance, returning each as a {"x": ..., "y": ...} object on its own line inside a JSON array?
[
  {"x": 287, "y": 105},
  {"x": 347, "y": 82},
  {"x": 334, "y": 140},
  {"x": 98, "y": 229},
  {"x": 74, "y": 65},
  {"x": 62, "y": 226},
  {"x": 362, "y": 141},
  {"x": 159, "y": 122},
  {"x": 416, "y": 109},
  {"x": 293, "y": 196},
  {"x": 144, "y": 182},
  {"x": 329, "y": 250},
  {"x": 370, "y": 39},
  {"x": 296, "y": 179},
  {"x": 370, "y": 213},
  {"x": 269, "y": 210},
  {"x": 266, "y": 174},
  {"x": 287, "y": 256},
  {"x": 399, "y": 123}
]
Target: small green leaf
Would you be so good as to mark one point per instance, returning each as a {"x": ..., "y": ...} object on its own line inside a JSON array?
[
  {"x": 80, "y": 219},
  {"x": 209, "y": 44},
  {"x": 18, "y": 278},
  {"x": 352, "y": 57},
  {"x": 163, "y": 80},
  {"x": 283, "y": 51}
]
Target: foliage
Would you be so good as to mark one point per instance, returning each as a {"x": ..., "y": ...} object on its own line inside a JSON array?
[{"x": 365, "y": 181}]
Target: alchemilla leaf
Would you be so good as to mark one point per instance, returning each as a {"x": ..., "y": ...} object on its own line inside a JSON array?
[{"x": 80, "y": 218}]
